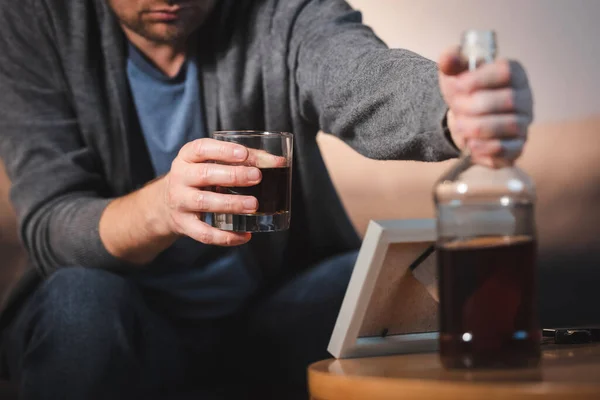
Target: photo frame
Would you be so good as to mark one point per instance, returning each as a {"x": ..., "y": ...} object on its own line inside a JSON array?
[{"x": 391, "y": 303}]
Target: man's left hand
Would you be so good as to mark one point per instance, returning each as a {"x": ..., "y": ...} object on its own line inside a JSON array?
[{"x": 491, "y": 107}]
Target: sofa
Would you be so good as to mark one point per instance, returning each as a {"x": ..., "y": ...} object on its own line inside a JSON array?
[{"x": 12, "y": 257}]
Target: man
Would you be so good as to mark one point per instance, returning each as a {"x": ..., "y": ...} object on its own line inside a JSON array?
[{"x": 105, "y": 111}]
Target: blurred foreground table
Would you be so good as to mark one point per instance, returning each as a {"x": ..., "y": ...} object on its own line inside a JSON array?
[{"x": 566, "y": 372}]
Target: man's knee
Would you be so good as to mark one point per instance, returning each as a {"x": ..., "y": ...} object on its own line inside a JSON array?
[
  {"x": 86, "y": 288},
  {"x": 82, "y": 300},
  {"x": 78, "y": 316},
  {"x": 89, "y": 328}
]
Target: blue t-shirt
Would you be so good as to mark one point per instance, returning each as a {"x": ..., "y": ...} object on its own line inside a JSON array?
[{"x": 190, "y": 279}]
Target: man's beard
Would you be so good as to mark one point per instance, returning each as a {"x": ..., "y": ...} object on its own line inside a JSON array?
[{"x": 174, "y": 33}]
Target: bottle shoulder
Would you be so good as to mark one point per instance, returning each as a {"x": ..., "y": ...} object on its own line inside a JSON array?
[{"x": 465, "y": 180}]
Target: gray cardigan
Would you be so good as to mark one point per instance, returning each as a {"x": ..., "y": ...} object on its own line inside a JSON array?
[{"x": 71, "y": 142}]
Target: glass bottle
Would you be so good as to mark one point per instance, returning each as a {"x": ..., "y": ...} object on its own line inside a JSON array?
[{"x": 486, "y": 252}]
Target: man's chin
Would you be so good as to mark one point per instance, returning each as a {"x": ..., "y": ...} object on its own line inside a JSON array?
[{"x": 166, "y": 33}]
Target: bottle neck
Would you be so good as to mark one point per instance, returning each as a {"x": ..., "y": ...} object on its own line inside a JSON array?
[
  {"x": 477, "y": 60},
  {"x": 477, "y": 48}
]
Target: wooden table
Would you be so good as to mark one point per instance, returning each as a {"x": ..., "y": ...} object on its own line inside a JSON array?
[{"x": 566, "y": 372}]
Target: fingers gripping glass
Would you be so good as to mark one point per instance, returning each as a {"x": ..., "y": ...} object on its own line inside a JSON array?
[{"x": 271, "y": 152}]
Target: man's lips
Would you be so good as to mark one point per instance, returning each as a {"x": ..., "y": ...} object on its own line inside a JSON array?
[
  {"x": 163, "y": 16},
  {"x": 172, "y": 10}
]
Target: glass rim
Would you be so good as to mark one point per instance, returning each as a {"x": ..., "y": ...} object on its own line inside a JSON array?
[{"x": 252, "y": 133}]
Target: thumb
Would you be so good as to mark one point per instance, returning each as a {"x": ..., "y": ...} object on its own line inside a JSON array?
[{"x": 451, "y": 62}]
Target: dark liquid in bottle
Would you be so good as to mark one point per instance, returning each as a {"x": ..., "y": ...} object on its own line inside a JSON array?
[
  {"x": 488, "y": 315},
  {"x": 272, "y": 193}
]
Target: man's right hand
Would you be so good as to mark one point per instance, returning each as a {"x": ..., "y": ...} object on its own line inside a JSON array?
[
  {"x": 187, "y": 195},
  {"x": 137, "y": 227}
]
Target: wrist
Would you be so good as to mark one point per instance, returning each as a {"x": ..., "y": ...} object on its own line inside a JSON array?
[
  {"x": 134, "y": 228},
  {"x": 450, "y": 131},
  {"x": 156, "y": 216}
]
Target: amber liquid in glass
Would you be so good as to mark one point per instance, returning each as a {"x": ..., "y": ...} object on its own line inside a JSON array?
[{"x": 273, "y": 193}]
